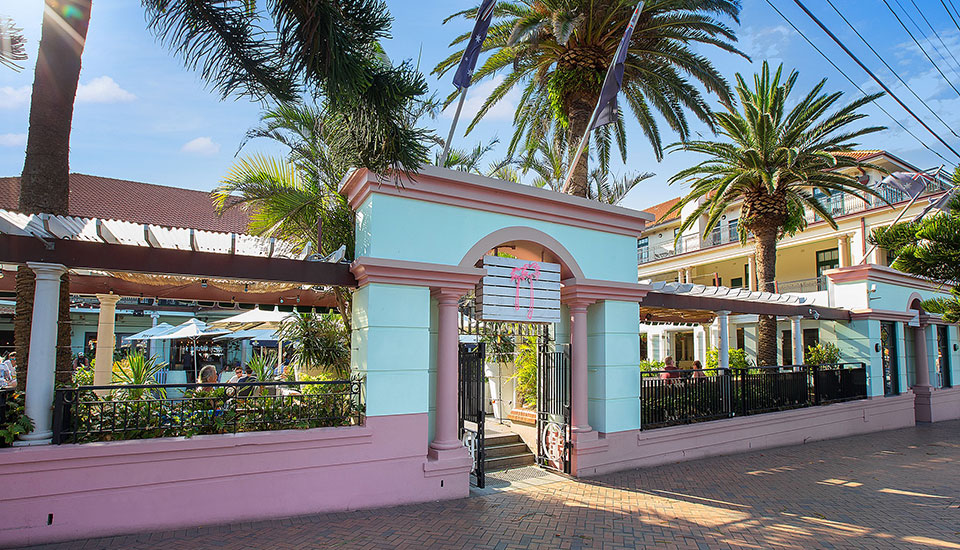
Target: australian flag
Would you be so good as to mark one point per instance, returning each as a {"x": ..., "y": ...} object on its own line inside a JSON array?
[
  {"x": 607, "y": 105},
  {"x": 909, "y": 183},
  {"x": 472, "y": 51}
]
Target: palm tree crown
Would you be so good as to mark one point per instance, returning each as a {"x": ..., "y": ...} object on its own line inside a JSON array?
[
  {"x": 776, "y": 162},
  {"x": 558, "y": 51}
]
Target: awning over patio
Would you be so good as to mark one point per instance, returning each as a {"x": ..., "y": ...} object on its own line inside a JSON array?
[{"x": 692, "y": 303}]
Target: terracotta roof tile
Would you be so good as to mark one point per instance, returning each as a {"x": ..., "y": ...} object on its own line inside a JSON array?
[
  {"x": 660, "y": 210},
  {"x": 861, "y": 154},
  {"x": 99, "y": 197}
]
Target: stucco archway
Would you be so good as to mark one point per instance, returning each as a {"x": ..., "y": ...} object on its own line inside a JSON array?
[{"x": 519, "y": 236}]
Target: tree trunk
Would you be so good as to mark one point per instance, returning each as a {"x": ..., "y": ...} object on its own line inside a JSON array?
[
  {"x": 579, "y": 109},
  {"x": 44, "y": 183},
  {"x": 344, "y": 298},
  {"x": 21, "y": 322},
  {"x": 766, "y": 249}
]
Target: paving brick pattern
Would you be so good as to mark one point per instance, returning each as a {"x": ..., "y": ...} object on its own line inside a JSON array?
[{"x": 897, "y": 489}]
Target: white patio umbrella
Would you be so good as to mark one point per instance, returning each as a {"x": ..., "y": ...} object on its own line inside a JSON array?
[
  {"x": 257, "y": 318},
  {"x": 149, "y": 333},
  {"x": 192, "y": 329}
]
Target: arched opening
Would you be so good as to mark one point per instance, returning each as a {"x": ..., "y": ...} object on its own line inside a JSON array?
[
  {"x": 525, "y": 243},
  {"x": 915, "y": 340}
]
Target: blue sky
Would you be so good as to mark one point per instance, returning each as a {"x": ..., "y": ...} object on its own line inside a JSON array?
[{"x": 140, "y": 115}]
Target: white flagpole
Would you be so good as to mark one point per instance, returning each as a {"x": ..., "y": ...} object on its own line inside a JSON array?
[{"x": 453, "y": 128}]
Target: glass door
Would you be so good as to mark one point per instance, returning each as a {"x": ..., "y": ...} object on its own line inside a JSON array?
[
  {"x": 891, "y": 372},
  {"x": 943, "y": 357}
]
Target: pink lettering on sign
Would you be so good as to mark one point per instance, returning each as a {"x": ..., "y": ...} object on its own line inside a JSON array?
[{"x": 527, "y": 272}]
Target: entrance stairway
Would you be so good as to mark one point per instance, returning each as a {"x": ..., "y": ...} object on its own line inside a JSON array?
[{"x": 506, "y": 451}]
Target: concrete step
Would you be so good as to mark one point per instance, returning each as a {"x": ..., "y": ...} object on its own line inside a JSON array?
[
  {"x": 513, "y": 461},
  {"x": 502, "y": 439},
  {"x": 507, "y": 449}
]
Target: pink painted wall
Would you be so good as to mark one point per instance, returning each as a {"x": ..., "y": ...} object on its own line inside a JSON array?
[
  {"x": 945, "y": 404},
  {"x": 633, "y": 448},
  {"x": 100, "y": 489}
]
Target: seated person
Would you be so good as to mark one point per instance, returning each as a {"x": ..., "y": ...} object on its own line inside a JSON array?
[
  {"x": 670, "y": 369},
  {"x": 247, "y": 378},
  {"x": 208, "y": 375}
]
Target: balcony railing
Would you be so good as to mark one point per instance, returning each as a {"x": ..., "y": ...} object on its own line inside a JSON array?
[
  {"x": 839, "y": 204},
  {"x": 669, "y": 398},
  {"x": 813, "y": 284},
  {"x": 109, "y": 413}
]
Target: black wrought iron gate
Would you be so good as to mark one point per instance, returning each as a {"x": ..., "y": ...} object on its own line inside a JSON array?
[
  {"x": 553, "y": 408},
  {"x": 472, "y": 404}
]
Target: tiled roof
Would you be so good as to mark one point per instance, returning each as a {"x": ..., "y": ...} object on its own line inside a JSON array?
[
  {"x": 660, "y": 210},
  {"x": 109, "y": 198},
  {"x": 862, "y": 154}
]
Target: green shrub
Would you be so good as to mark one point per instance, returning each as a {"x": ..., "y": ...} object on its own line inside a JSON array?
[
  {"x": 822, "y": 354},
  {"x": 738, "y": 359},
  {"x": 526, "y": 374},
  {"x": 648, "y": 365},
  {"x": 16, "y": 422}
]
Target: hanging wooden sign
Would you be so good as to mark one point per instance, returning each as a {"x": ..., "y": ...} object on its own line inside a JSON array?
[{"x": 520, "y": 291}]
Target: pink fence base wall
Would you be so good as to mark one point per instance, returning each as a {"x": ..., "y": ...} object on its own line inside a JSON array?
[
  {"x": 942, "y": 404},
  {"x": 101, "y": 489},
  {"x": 632, "y": 449}
]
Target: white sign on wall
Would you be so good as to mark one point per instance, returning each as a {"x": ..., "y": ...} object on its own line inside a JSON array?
[{"x": 519, "y": 291}]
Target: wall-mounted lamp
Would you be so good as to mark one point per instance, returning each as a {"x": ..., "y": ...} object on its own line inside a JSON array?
[
  {"x": 659, "y": 235},
  {"x": 203, "y": 283},
  {"x": 956, "y": 347},
  {"x": 876, "y": 347}
]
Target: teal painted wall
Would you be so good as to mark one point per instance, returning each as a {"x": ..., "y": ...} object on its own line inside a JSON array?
[
  {"x": 442, "y": 234},
  {"x": 856, "y": 341},
  {"x": 391, "y": 346},
  {"x": 613, "y": 345}
]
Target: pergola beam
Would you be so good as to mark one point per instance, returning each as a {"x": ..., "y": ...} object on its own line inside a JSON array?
[
  {"x": 18, "y": 249},
  {"x": 671, "y": 301}
]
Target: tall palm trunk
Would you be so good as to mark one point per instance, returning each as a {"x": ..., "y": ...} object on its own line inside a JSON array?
[
  {"x": 766, "y": 249},
  {"x": 579, "y": 108},
  {"x": 44, "y": 183}
]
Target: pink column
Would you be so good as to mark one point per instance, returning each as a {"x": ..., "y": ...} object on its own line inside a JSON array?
[
  {"x": 578, "y": 366},
  {"x": 445, "y": 435}
]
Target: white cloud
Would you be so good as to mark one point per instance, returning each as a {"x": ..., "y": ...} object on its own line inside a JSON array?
[
  {"x": 201, "y": 146},
  {"x": 477, "y": 94},
  {"x": 765, "y": 43},
  {"x": 11, "y": 98},
  {"x": 103, "y": 89},
  {"x": 13, "y": 140}
]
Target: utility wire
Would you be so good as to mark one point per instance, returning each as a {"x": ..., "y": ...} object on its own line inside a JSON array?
[
  {"x": 873, "y": 76},
  {"x": 924, "y": 35},
  {"x": 950, "y": 14},
  {"x": 937, "y": 34},
  {"x": 891, "y": 69},
  {"x": 935, "y": 66}
]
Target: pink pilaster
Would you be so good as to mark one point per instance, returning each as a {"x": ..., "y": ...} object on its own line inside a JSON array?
[
  {"x": 922, "y": 391},
  {"x": 445, "y": 439},
  {"x": 578, "y": 366}
]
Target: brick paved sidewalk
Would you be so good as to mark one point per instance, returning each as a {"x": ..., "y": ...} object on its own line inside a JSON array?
[{"x": 897, "y": 489}]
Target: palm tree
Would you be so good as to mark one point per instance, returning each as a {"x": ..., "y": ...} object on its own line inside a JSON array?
[
  {"x": 549, "y": 165},
  {"x": 773, "y": 161},
  {"x": 558, "y": 52},
  {"x": 44, "y": 183},
  {"x": 319, "y": 341},
  {"x": 296, "y": 198}
]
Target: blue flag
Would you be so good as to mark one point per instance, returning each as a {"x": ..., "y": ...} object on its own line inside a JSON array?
[
  {"x": 470, "y": 54},
  {"x": 606, "y": 110}
]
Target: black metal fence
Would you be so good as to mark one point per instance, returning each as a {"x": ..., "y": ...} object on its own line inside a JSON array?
[
  {"x": 109, "y": 413},
  {"x": 668, "y": 398}
]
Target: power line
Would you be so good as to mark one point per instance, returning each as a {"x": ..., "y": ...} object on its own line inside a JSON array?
[
  {"x": 935, "y": 66},
  {"x": 887, "y": 65},
  {"x": 950, "y": 14},
  {"x": 857, "y": 86},
  {"x": 937, "y": 34}
]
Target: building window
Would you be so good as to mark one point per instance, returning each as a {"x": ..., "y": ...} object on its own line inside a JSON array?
[
  {"x": 943, "y": 356},
  {"x": 891, "y": 372},
  {"x": 740, "y": 339},
  {"x": 732, "y": 234},
  {"x": 827, "y": 259},
  {"x": 736, "y": 282},
  {"x": 811, "y": 337},
  {"x": 786, "y": 347},
  {"x": 643, "y": 249}
]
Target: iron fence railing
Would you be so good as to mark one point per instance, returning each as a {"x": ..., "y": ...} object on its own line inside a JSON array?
[
  {"x": 812, "y": 284},
  {"x": 672, "y": 397},
  {"x": 108, "y": 413}
]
